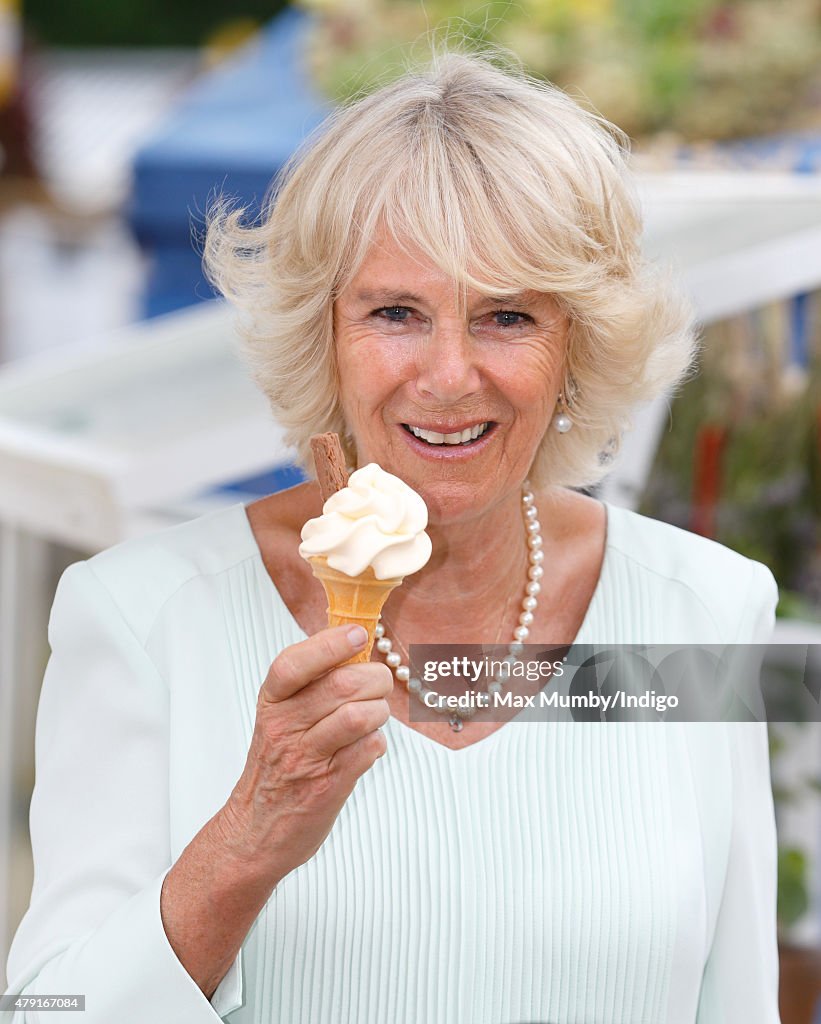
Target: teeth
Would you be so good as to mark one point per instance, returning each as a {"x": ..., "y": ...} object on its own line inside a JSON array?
[{"x": 460, "y": 437}]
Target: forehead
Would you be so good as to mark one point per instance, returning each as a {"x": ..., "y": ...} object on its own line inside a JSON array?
[
  {"x": 401, "y": 271},
  {"x": 387, "y": 259}
]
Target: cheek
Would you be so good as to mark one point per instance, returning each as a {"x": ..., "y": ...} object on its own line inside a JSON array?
[
  {"x": 370, "y": 372},
  {"x": 530, "y": 377},
  {"x": 372, "y": 364}
]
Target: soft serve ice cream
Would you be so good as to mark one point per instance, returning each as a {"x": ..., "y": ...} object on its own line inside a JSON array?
[
  {"x": 377, "y": 521},
  {"x": 371, "y": 534}
]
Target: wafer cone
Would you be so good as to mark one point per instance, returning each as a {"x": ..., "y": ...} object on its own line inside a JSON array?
[{"x": 353, "y": 599}]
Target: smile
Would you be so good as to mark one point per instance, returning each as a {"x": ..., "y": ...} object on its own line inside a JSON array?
[{"x": 460, "y": 437}]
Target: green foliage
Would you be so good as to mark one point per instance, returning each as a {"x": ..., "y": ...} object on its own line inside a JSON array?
[
  {"x": 793, "y": 898},
  {"x": 793, "y": 865},
  {"x": 796, "y": 606},
  {"x": 700, "y": 68},
  {"x": 133, "y": 23},
  {"x": 769, "y": 503},
  {"x": 663, "y": 19}
]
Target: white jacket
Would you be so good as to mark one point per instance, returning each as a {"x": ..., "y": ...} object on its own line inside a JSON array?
[{"x": 566, "y": 872}]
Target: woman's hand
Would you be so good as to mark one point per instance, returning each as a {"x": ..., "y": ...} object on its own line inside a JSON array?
[{"x": 316, "y": 732}]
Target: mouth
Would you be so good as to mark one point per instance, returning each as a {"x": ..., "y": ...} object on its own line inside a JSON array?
[{"x": 470, "y": 436}]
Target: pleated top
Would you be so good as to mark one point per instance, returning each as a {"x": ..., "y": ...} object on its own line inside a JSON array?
[{"x": 564, "y": 872}]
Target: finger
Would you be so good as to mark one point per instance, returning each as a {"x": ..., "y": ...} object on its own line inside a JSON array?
[
  {"x": 354, "y": 760},
  {"x": 347, "y": 724},
  {"x": 305, "y": 661},
  {"x": 358, "y": 682}
]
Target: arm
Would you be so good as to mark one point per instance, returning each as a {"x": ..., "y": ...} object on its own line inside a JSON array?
[
  {"x": 316, "y": 732},
  {"x": 740, "y": 982},
  {"x": 108, "y": 919},
  {"x": 99, "y": 829}
]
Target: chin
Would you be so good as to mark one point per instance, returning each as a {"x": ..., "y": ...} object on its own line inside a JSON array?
[{"x": 450, "y": 501}]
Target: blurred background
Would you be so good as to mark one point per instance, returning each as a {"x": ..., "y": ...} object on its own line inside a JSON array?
[{"x": 124, "y": 408}]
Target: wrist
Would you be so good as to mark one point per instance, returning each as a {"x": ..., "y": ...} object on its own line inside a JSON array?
[{"x": 235, "y": 848}]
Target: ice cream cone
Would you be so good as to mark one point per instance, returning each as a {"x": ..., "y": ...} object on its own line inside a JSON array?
[{"x": 353, "y": 599}]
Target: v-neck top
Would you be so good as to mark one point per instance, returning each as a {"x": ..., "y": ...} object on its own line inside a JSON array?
[
  {"x": 582, "y": 634},
  {"x": 572, "y": 872}
]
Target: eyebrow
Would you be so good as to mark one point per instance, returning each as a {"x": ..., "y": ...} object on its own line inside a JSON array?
[{"x": 386, "y": 296}]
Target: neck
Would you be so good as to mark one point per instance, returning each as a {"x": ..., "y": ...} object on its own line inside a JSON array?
[{"x": 462, "y": 594}]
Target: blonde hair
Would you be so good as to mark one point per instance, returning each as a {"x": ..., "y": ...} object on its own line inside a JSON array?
[{"x": 505, "y": 183}]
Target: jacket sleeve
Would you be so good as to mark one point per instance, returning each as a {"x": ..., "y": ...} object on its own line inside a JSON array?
[
  {"x": 100, "y": 829},
  {"x": 740, "y": 981}
]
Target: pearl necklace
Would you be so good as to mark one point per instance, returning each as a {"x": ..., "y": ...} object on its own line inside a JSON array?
[{"x": 533, "y": 587}]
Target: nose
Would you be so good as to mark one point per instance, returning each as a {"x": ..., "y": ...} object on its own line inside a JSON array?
[{"x": 447, "y": 371}]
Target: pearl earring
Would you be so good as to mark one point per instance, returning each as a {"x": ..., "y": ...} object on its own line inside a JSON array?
[{"x": 561, "y": 421}]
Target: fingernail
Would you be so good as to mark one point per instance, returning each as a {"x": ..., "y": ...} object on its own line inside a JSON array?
[{"x": 358, "y": 636}]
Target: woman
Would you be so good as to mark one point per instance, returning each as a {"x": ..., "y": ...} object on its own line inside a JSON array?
[{"x": 227, "y": 824}]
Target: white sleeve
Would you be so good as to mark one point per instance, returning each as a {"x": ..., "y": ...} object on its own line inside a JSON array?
[
  {"x": 100, "y": 829},
  {"x": 740, "y": 981}
]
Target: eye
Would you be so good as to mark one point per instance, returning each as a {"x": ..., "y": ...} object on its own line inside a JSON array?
[
  {"x": 509, "y": 318},
  {"x": 395, "y": 314}
]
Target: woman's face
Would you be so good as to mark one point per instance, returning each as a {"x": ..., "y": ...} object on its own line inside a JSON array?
[{"x": 414, "y": 374}]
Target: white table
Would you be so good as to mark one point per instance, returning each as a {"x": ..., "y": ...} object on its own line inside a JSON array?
[{"x": 102, "y": 445}]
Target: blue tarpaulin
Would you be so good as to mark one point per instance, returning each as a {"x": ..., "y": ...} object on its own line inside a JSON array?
[{"x": 228, "y": 134}]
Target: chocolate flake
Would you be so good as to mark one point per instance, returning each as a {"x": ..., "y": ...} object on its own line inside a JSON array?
[{"x": 329, "y": 461}]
